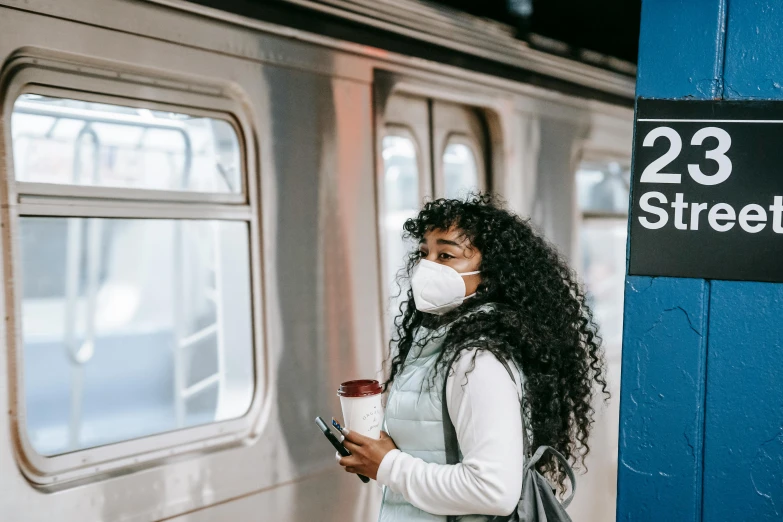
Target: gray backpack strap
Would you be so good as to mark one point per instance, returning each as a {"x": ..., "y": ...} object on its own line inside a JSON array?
[
  {"x": 563, "y": 462},
  {"x": 449, "y": 432}
]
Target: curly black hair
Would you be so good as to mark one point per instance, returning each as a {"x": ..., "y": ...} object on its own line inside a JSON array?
[{"x": 538, "y": 319}]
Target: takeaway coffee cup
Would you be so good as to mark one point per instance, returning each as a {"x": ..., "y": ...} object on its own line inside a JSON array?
[{"x": 362, "y": 408}]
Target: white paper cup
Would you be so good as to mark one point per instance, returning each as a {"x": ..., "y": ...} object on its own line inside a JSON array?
[{"x": 362, "y": 408}]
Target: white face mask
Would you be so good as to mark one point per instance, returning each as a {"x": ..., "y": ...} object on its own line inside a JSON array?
[{"x": 438, "y": 289}]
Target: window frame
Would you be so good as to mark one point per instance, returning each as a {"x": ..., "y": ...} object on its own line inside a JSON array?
[{"x": 49, "y": 200}]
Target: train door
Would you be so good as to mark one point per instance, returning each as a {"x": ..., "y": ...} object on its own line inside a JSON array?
[{"x": 430, "y": 148}]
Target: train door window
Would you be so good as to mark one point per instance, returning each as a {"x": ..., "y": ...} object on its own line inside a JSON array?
[
  {"x": 401, "y": 192},
  {"x": 407, "y": 179},
  {"x": 133, "y": 247},
  {"x": 460, "y": 169},
  {"x": 459, "y": 136}
]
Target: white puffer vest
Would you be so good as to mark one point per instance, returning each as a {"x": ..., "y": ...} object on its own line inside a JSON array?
[{"x": 414, "y": 419}]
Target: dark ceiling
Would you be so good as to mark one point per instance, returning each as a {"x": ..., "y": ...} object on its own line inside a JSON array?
[{"x": 609, "y": 27}]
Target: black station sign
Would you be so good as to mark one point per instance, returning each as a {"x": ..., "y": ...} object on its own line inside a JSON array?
[{"x": 708, "y": 190}]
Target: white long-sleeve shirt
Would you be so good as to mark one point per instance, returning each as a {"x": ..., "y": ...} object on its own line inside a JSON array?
[{"x": 486, "y": 414}]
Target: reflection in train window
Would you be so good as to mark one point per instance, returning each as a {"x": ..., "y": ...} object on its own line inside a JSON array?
[
  {"x": 603, "y": 191},
  {"x": 73, "y": 142},
  {"x": 460, "y": 170},
  {"x": 402, "y": 198},
  {"x": 132, "y": 327},
  {"x": 603, "y": 188}
]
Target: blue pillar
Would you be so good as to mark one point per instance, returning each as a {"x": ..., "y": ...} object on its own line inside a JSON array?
[
  {"x": 665, "y": 333},
  {"x": 743, "y": 451},
  {"x": 701, "y": 422}
]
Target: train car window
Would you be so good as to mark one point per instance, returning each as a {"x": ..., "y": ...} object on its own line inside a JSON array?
[
  {"x": 603, "y": 191},
  {"x": 127, "y": 325},
  {"x": 72, "y": 142},
  {"x": 132, "y": 236},
  {"x": 460, "y": 169},
  {"x": 402, "y": 197}
]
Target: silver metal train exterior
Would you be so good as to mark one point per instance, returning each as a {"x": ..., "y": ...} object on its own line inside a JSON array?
[{"x": 170, "y": 333}]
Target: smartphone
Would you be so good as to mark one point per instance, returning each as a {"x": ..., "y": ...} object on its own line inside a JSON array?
[{"x": 336, "y": 443}]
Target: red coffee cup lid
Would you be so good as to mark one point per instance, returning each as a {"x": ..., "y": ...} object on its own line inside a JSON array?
[{"x": 360, "y": 388}]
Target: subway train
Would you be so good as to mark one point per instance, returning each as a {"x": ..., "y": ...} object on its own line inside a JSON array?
[{"x": 201, "y": 224}]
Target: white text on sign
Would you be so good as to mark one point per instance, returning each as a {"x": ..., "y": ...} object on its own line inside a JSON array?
[{"x": 721, "y": 217}]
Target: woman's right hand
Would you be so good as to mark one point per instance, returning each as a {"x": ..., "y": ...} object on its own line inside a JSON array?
[{"x": 366, "y": 453}]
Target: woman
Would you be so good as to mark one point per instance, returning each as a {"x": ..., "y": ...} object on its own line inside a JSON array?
[{"x": 494, "y": 310}]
